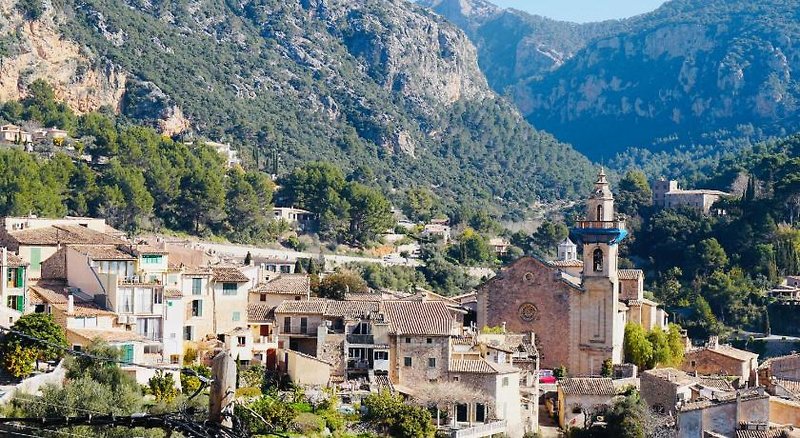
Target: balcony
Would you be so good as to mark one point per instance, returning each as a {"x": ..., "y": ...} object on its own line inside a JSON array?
[
  {"x": 358, "y": 364},
  {"x": 360, "y": 339},
  {"x": 481, "y": 430},
  {"x": 608, "y": 232},
  {"x": 300, "y": 331},
  {"x": 138, "y": 280},
  {"x": 601, "y": 225}
]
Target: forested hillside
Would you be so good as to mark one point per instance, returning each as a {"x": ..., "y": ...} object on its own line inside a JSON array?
[
  {"x": 684, "y": 76},
  {"x": 714, "y": 270},
  {"x": 384, "y": 85}
]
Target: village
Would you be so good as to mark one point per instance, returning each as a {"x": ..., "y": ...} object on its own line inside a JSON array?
[{"x": 536, "y": 349}]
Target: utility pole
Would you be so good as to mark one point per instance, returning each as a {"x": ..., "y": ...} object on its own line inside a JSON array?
[{"x": 223, "y": 389}]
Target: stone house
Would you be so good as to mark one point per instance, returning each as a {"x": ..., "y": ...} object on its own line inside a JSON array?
[
  {"x": 723, "y": 416},
  {"x": 283, "y": 287},
  {"x": 298, "y": 322},
  {"x": 664, "y": 388},
  {"x": 716, "y": 359},
  {"x": 581, "y": 398},
  {"x": 230, "y": 286},
  {"x": 782, "y": 367},
  {"x": 35, "y": 245},
  {"x": 499, "y": 383}
]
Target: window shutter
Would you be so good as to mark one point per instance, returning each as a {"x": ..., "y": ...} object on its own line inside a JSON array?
[{"x": 20, "y": 277}]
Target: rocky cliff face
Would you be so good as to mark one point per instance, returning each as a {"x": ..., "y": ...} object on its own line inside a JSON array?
[
  {"x": 31, "y": 50},
  {"x": 658, "y": 80},
  {"x": 381, "y": 84}
]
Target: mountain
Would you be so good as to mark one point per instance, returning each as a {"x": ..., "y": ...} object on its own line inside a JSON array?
[
  {"x": 658, "y": 80},
  {"x": 381, "y": 84},
  {"x": 514, "y": 46}
]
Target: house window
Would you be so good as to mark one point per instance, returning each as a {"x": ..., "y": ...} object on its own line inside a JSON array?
[
  {"x": 287, "y": 324},
  {"x": 236, "y": 316},
  {"x": 480, "y": 412},
  {"x": 303, "y": 325},
  {"x": 174, "y": 358},
  {"x": 229, "y": 288},
  {"x": 197, "y": 286},
  {"x": 456, "y": 378},
  {"x": 431, "y": 362},
  {"x": 150, "y": 328},
  {"x": 197, "y": 308},
  {"x": 16, "y": 277},
  {"x": 429, "y": 341},
  {"x": 381, "y": 355},
  {"x": 263, "y": 297},
  {"x": 158, "y": 296},
  {"x": 152, "y": 259},
  {"x": 297, "y": 297},
  {"x": 126, "y": 304},
  {"x": 598, "y": 260},
  {"x": 694, "y": 364},
  {"x": 505, "y": 381},
  {"x": 407, "y": 361},
  {"x": 143, "y": 300},
  {"x": 408, "y": 340},
  {"x": 16, "y": 302},
  {"x": 241, "y": 341},
  {"x": 188, "y": 333},
  {"x": 461, "y": 413},
  {"x": 285, "y": 269}
]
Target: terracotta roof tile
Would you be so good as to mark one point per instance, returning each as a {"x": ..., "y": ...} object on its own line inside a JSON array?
[
  {"x": 103, "y": 252},
  {"x": 770, "y": 433},
  {"x": 675, "y": 376},
  {"x": 113, "y": 335},
  {"x": 14, "y": 261},
  {"x": 305, "y": 306},
  {"x": 63, "y": 234},
  {"x": 296, "y": 284},
  {"x": 734, "y": 353},
  {"x": 587, "y": 386},
  {"x": 258, "y": 312},
  {"x": 229, "y": 274},
  {"x": 716, "y": 382},
  {"x": 57, "y": 296},
  {"x": 630, "y": 274},
  {"x": 790, "y": 385},
  {"x": 351, "y": 309},
  {"x": 418, "y": 317},
  {"x": 480, "y": 366},
  {"x": 566, "y": 263}
]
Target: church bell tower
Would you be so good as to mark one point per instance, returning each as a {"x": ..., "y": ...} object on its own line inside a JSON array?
[{"x": 600, "y": 232}]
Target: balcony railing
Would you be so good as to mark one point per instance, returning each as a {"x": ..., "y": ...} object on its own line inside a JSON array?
[
  {"x": 360, "y": 339},
  {"x": 357, "y": 364},
  {"x": 139, "y": 279},
  {"x": 271, "y": 339},
  {"x": 482, "y": 430},
  {"x": 616, "y": 224}
]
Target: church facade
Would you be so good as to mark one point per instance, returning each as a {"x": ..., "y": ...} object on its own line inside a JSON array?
[{"x": 577, "y": 308}]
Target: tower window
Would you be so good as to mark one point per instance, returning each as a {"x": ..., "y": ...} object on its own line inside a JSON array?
[
  {"x": 598, "y": 260},
  {"x": 599, "y": 212}
]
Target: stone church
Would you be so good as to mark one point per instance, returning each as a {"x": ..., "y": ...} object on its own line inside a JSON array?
[{"x": 576, "y": 308}]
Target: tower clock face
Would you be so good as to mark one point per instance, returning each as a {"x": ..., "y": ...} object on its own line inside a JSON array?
[{"x": 528, "y": 312}]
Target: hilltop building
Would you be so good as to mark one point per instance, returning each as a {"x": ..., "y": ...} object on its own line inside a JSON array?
[
  {"x": 667, "y": 194},
  {"x": 577, "y": 308}
]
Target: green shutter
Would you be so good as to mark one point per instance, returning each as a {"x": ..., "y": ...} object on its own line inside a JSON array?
[
  {"x": 21, "y": 304},
  {"x": 36, "y": 259},
  {"x": 20, "y": 277},
  {"x": 127, "y": 353}
]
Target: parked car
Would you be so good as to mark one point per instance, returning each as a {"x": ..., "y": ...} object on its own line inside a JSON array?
[{"x": 546, "y": 376}]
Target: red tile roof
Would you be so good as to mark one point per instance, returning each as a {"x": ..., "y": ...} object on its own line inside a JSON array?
[
  {"x": 103, "y": 252},
  {"x": 351, "y": 309},
  {"x": 14, "y": 261},
  {"x": 229, "y": 274},
  {"x": 567, "y": 263},
  {"x": 305, "y": 306},
  {"x": 173, "y": 293},
  {"x": 630, "y": 274},
  {"x": 258, "y": 312},
  {"x": 587, "y": 386},
  {"x": 418, "y": 317},
  {"x": 63, "y": 234},
  {"x": 295, "y": 284},
  {"x": 480, "y": 366}
]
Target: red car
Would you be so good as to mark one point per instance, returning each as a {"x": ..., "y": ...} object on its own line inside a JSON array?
[{"x": 546, "y": 376}]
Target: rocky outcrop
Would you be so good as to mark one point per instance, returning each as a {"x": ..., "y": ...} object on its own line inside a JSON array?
[{"x": 36, "y": 50}]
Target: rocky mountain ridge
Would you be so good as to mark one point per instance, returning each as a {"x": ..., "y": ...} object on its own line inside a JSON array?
[
  {"x": 379, "y": 84},
  {"x": 675, "y": 76}
]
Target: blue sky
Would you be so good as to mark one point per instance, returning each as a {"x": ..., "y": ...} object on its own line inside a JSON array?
[{"x": 582, "y": 11}]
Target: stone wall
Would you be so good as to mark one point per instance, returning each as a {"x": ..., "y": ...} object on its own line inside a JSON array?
[
  {"x": 419, "y": 350},
  {"x": 658, "y": 393},
  {"x": 332, "y": 351},
  {"x": 529, "y": 296},
  {"x": 709, "y": 362}
]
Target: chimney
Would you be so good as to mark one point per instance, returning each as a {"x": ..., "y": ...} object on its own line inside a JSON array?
[
  {"x": 713, "y": 342},
  {"x": 503, "y": 326},
  {"x": 70, "y": 304}
]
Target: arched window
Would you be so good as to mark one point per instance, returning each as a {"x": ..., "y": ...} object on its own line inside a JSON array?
[
  {"x": 598, "y": 260},
  {"x": 599, "y": 212}
]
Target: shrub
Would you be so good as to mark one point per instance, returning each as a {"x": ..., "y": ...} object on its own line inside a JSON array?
[
  {"x": 307, "y": 423},
  {"x": 248, "y": 392}
]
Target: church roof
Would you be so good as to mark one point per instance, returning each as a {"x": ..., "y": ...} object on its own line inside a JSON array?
[
  {"x": 630, "y": 274},
  {"x": 566, "y": 263}
]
